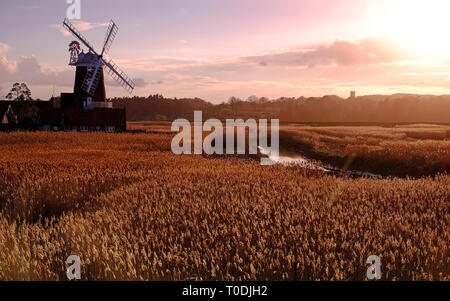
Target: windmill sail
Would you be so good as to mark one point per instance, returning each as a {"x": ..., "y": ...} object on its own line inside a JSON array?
[
  {"x": 110, "y": 36},
  {"x": 119, "y": 76},
  {"x": 92, "y": 79},
  {"x": 69, "y": 26}
]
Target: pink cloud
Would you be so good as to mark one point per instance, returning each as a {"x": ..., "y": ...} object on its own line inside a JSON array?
[
  {"x": 80, "y": 25},
  {"x": 343, "y": 53}
]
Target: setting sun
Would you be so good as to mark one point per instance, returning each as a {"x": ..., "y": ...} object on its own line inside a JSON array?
[{"x": 418, "y": 25}]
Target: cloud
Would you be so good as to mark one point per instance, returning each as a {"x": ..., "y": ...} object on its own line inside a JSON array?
[
  {"x": 6, "y": 67},
  {"x": 3, "y": 49},
  {"x": 139, "y": 82},
  {"x": 362, "y": 52},
  {"x": 334, "y": 68},
  {"x": 29, "y": 70},
  {"x": 340, "y": 53},
  {"x": 80, "y": 25},
  {"x": 164, "y": 63}
]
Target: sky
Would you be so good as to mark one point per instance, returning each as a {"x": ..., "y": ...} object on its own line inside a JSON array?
[{"x": 215, "y": 49}]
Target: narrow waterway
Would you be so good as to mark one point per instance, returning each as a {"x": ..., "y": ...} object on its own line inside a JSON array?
[{"x": 310, "y": 164}]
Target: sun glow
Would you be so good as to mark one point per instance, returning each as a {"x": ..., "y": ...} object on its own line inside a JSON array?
[{"x": 422, "y": 26}]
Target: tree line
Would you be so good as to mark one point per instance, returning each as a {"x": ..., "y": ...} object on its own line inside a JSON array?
[{"x": 375, "y": 108}]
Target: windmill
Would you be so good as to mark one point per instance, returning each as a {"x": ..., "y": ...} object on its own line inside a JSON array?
[{"x": 89, "y": 79}]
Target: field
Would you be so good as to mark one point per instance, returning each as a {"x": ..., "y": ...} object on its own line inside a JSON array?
[
  {"x": 408, "y": 150},
  {"x": 134, "y": 211},
  {"x": 402, "y": 150}
]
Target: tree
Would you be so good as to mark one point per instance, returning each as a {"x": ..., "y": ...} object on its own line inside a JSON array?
[
  {"x": 19, "y": 92},
  {"x": 252, "y": 98}
]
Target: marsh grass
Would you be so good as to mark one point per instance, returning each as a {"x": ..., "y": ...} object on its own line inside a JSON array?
[{"x": 134, "y": 211}]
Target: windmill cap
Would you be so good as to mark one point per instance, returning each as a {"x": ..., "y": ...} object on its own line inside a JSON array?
[{"x": 87, "y": 58}]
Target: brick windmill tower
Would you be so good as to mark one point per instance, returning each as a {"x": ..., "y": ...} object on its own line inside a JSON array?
[
  {"x": 86, "y": 63},
  {"x": 89, "y": 88}
]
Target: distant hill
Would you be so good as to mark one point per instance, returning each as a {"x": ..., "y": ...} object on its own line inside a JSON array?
[{"x": 397, "y": 108}]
